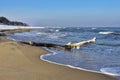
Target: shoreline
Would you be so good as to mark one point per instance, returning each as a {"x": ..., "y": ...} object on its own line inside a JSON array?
[
  {"x": 73, "y": 67},
  {"x": 53, "y": 53},
  {"x": 27, "y": 65}
]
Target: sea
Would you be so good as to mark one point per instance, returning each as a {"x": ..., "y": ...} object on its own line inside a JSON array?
[{"x": 101, "y": 56}]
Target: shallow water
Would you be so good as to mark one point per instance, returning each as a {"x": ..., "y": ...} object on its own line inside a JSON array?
[{"x": 103, "y": 54}]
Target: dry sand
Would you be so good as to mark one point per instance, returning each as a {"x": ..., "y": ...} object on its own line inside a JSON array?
[{"x": 21, "y": 62}]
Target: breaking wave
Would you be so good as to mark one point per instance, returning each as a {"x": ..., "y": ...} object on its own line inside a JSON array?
[{"x": 106, "y": 32}]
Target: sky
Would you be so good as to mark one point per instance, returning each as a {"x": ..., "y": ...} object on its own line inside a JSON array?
[{"x": 66, "y": 13}]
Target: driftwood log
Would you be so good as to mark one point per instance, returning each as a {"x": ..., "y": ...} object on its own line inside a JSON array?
[
  {"x": 68, "y": 46},
  {"x": 49, "y": 45}
]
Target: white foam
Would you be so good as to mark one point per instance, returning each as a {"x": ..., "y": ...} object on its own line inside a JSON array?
[
  {"x": 106, "y": 32},
  {"x": 41, "y": 33},
  {"x": 4, "y": 27},
  {"x": 114, "y": 71},
  {"x": 57, "y": 30}
]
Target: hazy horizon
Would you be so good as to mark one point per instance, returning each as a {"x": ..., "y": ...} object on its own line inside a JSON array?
[{"x": 78, "y": 13}]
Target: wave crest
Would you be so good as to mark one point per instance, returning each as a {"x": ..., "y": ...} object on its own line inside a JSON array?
[{"x": 108, "y": 32}]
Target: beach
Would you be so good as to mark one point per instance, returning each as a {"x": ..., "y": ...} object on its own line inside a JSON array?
[{"x": 19, "y": 61}]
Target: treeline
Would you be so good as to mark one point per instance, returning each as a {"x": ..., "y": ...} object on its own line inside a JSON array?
[{"x": 4, "y": 20}]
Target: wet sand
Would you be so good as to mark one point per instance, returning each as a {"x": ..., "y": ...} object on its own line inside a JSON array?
[
  {"x": 19, "y": 61},
  {"x": 10, "y": 31}
]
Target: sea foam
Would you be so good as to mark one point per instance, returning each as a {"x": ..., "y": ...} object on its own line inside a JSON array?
[
  {"x": 114, "y": 71},
  {"x": 4, "y": 27},
  {"x": 106, "y": 32}
]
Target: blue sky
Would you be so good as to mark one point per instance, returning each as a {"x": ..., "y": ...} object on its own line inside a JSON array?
[{"x": 88, "y": 13}]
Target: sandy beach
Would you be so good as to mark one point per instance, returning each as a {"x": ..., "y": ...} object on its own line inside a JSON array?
[{"x": 22, "y": 62}]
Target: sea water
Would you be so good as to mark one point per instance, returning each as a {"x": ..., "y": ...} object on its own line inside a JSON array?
[{"x": 102, "y": 56}]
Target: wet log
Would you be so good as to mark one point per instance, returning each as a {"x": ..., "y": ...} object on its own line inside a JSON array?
[
  {"x": 49, "y": 45},
  {"x": 68, "y": 46}
]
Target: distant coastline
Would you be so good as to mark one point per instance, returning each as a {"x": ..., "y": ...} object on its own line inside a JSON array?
[{"x": 5, "y": 21}]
